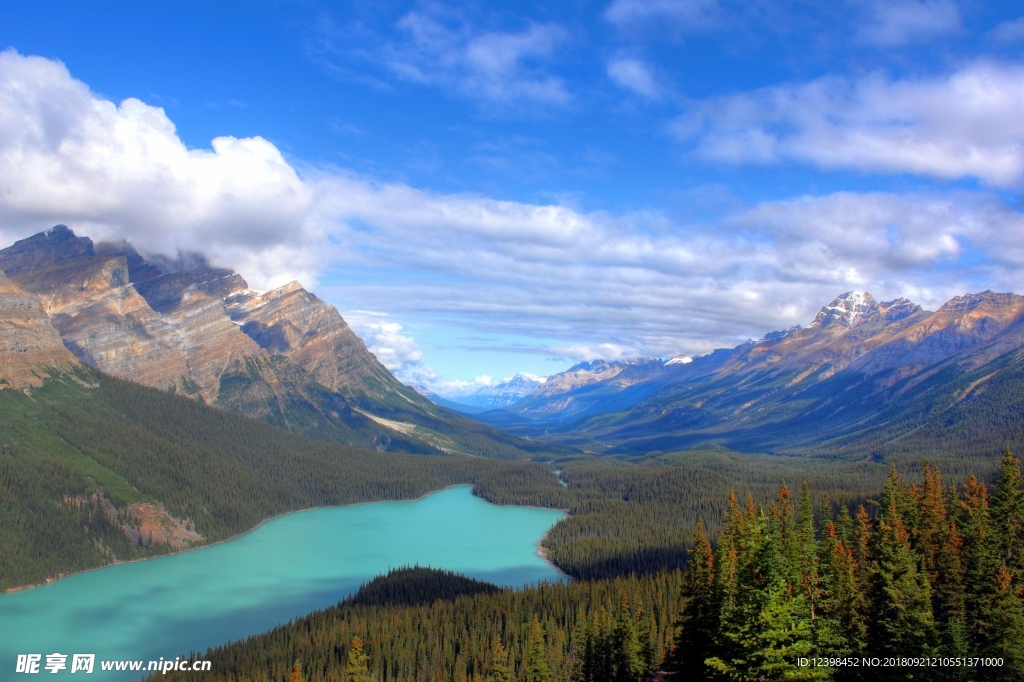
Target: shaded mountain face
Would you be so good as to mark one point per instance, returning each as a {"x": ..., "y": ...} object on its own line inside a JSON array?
[
  {"x": 863, "y": 378},
  {"x": 184, "y": 326}
]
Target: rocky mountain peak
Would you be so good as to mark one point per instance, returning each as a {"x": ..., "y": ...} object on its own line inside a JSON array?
[
  {"x": 44, "y": 249},
  {"x": 847, "y": 310}
]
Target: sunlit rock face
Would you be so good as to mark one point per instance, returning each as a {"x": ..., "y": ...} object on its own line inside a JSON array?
[
  {"x": 30, "y": 348},
  {"x": 186, "y": 326}
]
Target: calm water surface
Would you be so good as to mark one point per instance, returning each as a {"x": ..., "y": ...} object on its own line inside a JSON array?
[{"x": 288, "y": 567}]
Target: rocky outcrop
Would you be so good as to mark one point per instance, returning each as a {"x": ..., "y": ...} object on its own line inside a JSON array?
[{"x": 30, "y": 348}]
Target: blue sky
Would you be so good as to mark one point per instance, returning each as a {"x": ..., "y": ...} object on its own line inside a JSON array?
[{"x": 484, "y": 189}]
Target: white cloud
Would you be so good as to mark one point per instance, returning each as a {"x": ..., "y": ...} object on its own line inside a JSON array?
[
  {"x": 895, "y": 23},
  {"x": 633, "y": 74},
  {"x": 383, "y": 338},
  {"x": 498, "y": 67},
  {"x": 582, "y": 285},
  {"x": 121, "y": 170},
  {"x": 1009, "y": 31},
  {"x": 966, "y": 124},
  {"x": 681, "y": 13}
]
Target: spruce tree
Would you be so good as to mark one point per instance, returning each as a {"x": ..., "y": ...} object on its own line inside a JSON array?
[
  {"x": 357, "y": 667},
  {"x": 767, "y": 631},
  {"x": 697, "y": 630},
  {"x": 537, "y": 669},
  {"x": 1008, "y": 513},
  {"x": 627, "y": 658},
  {"x": 902, "y": 622},
  {"x": 1005, "y": 631},
  {"x": 980, "y": 556},
  {"x": 501, "y": 670}
]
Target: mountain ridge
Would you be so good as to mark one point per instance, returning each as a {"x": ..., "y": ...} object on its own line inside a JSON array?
[
  {"x": 837, "y": 385},
  {"x": 184, "y": 326}
]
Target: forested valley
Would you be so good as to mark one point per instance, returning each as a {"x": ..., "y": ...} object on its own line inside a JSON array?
[{"x": 933, "y": 576}]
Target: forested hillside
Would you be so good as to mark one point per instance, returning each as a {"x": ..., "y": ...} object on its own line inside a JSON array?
[
  {"x": 94, "y": 469},
  {"x": 636, "y": 514},
  {"x": 936, "y": 574}
]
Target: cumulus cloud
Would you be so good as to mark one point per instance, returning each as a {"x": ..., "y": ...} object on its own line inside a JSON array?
[
  {"x": 894, "y": 23},
  {"x": 966, "y": 124},
  {"x": 383, "y": 337},
  {"x": 121, "y": 170},
  {"x": 576, "y": 284},
  {"x": 632, "y": 74}
]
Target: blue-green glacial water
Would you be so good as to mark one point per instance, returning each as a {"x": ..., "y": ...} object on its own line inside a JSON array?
[{"x": 287, "y": 567}]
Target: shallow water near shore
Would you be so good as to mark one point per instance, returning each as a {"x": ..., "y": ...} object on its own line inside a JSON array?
[{"x": 287, "y": 567}]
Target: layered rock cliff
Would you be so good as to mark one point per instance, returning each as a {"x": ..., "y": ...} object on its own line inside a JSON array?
[
  {"x": 185, "y": 326},
  {"x": 30, "y": 348}
]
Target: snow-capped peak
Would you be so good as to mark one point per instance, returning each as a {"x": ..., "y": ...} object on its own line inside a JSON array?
[
  {"x": 680, "y": 360},
  {"x": 846, "y": 309}
]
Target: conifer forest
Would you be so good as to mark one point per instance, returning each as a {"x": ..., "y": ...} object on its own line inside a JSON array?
[{"x": 918, "y": 583}]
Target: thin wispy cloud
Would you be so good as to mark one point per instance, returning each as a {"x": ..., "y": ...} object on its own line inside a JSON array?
[
  {"x": 895, "y": 23},
  {"x": 634, "y": 75},
  {"x": 687, "y": 14},
  {"x": 963, "y": 125},
  {"x": 441, "y": 47},
  {"x": 1009, "y": 31}
]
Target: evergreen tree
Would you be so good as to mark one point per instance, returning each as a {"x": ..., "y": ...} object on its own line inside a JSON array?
[
  {"x": 1008, "y": 513},
  {"x": 537, "y": 668},
  {"x": 357, "y": 668},
  {"x": 627, "y": 658},
  {"x": 697, "y": 626},
  {"x": 1005, "y": 631},
  {"x": 501, "y": 670},
  {"x": 950, "y": 611},
  {"x": 980, "y": 558},
  {"x": 902, "y": 622},
  {"x": 767, "y": 630},
  {"x": 296, "y": 675}
]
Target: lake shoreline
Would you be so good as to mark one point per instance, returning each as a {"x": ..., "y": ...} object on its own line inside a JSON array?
[{"x": 541, "y": 551}]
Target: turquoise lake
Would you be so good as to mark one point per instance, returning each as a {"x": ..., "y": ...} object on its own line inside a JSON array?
[{"x": 287, "y": 567}]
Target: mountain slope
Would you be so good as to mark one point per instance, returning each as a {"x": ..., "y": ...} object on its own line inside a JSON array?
[
  {"x": 94, "y": 469},
  {"x": 863, "y": 379},
  {"x": 184, "y": 326}
]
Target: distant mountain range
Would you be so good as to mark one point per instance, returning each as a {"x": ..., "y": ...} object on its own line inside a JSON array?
[
  {"x": 482, "y": 398},
  {"x": 184, "y": 326},
  {"x": 863, "y": 379}
]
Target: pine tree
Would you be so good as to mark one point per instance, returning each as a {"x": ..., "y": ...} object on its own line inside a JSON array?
[
  {"x": 902, "y": 622},
  {"x": 627, "y": 660},
  {"x": 697, "y": 626},
  {"x": 357, "y": 666},
  {"x": 1008, "y": 513},
  {"x": 501, "y": 670},
  {"x": 845, "y": 599},
  {"x": 296, "y": 675},
  {"x": 949, "y": 596},
  {"x": 932, "y": 521},
  {"x": 767, "y": 630},
  {"x": 980, "y": 558},
  {"x": 1005, "y": 630},
  {"x": 537, "y": 669}
]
